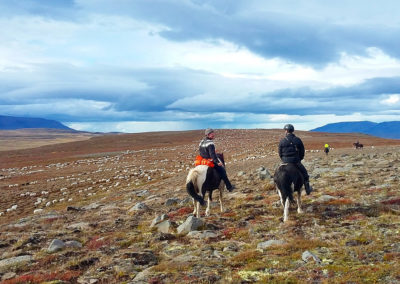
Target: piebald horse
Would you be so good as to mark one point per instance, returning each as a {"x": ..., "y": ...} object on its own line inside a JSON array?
[
  {"x": 202, "y": 179},
  {"x": 288, "y": 180}
]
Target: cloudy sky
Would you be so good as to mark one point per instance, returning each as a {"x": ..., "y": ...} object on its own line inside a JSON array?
[{"x": 149, "y": 65}]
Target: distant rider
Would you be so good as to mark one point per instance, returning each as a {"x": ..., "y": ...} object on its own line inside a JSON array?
[
  {"x": 291, "y": 150},
  {"x": 326, "y": 149},
  {"x": 207, "y": 151}
]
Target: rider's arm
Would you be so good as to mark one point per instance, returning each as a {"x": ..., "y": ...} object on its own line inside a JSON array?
[
  {"x": 280, "y": 149},
  {"x": 212, "y": 154},
  {"x": 301, "y": 149}
]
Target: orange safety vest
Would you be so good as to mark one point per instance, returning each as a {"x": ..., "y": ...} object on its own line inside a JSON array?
[{"x": 201, "y": 161}]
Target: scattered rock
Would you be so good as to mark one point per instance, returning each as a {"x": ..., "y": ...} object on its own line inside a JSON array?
[
  {"x": 263, "y": 173},
  {"x": 307, "y": 256},
  {"x": 139, "y": 207},
  {"x": 267, "y": 244},
  {"x": 84, "y": 264},
  {"x": 158, "y": 219},
  {"x": 142, "y": 258},
  {"x": 172, "y": 201},
  {"x": 74, "y": 208},
  {"x": 6, "y": 265},
  {"x": 92, "y": 206},
  {"x": 192, "y": 223},
  {"x": 164, "y": 226},
  {"x": 73, "y": 244},
  {"x": 56, "y": 245},
  {"x": 80, "y": 226},
  {"x": 8, "y": 275},
  {"x": 202, "y": 234},
  {"x": 326, "y": 198}
]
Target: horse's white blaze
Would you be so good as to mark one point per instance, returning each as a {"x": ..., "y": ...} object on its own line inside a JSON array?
[{"x": 286, "y": 210}]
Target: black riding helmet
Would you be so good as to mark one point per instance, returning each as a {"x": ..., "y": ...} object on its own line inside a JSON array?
[{"x": 289, "y": 128}]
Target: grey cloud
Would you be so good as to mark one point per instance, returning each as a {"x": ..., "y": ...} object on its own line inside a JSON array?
[
  {"x": 306, "y": 101},
  {"x": 140, "y": 94},
  {"x": 58, "y": 9},
  {"x": 269, "y": 32}
]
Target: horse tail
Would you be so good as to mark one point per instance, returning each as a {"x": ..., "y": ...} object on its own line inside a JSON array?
[{"x": 190, "y": 186}]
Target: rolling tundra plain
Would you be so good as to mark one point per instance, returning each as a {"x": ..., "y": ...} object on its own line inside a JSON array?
[{"x": 114, "y": 209}]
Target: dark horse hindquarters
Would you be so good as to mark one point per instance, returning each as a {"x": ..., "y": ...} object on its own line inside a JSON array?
[
  {"x": 286, "y": 175},
  {"x": 288, "y": 179}
]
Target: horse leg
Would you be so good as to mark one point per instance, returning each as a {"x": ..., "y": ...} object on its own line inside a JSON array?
[
  {"x": 280, "y": 196},
  {"x": 286, "y": 210},
  {"x": 221, "y": 189},
  {"x": 195, "y": 207},
  {"x": 299, "y": 210},
  {"x": 208, "y": 206},
  {"x": 196, "y": 211}
]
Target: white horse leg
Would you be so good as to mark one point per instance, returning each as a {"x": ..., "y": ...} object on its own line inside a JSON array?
[
  {"x": 220, "y": 199},
  {"x": 198, "y": 209},
  {"x": 195, "y": 207},
  {"x": 280, "y": 196},
  {"x": 299, "y": 210},
  {"x": 286, "y": 210},
  {"x": 208, "y": 206}
]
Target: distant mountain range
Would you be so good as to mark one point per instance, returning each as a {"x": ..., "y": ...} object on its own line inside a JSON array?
[
  {"x": 11, "y": 123},
  {"x": 389, "y": 129}
]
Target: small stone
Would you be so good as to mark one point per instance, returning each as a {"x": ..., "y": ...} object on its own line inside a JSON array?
[
  {"x": 267, "y": 244},
  {"x": 10, "y": 263},
  {"x": 158, "y": 219},
  {"x": 164, "y": 226},
  {"x": 56, "y": 245},
  {"x": 73, "y": 244},
  {"x": 139, "y": 207},
  {"x": 8, "y": 275},
  {"x": 202, "y": 235},
  {"x": 191, "y": 224},
  {"x": 172, "y": 201},
  {"x": 307, "y": 256}
]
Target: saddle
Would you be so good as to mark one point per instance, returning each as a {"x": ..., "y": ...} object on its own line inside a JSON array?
[{"x": 201, "y": 161}]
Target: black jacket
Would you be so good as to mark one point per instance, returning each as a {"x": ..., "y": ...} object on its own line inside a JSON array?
[
  {"x": 291, "y": 149},
  {"x": 207, "y": 150}
]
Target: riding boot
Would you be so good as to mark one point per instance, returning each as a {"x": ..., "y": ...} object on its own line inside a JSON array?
[{"x": 224, "y": 177}]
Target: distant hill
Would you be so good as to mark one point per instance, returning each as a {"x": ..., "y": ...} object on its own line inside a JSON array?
[
  {"x": 389, "y": 129},
  {"x": 12, "y": 123}
]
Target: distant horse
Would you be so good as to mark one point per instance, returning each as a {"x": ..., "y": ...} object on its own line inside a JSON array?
[
  {"x": 288, "y": 179},
  {"x": 204, "y": 179},
  {"x": 358, "y": 145}
]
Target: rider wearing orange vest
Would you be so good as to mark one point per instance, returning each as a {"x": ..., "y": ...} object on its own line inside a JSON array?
[{"x": 207, "y": 151}]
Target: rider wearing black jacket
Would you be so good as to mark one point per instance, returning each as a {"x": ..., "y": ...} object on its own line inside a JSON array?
[
  {"x": 207, "y": 151},
  {"x": 291, "y": 150}
]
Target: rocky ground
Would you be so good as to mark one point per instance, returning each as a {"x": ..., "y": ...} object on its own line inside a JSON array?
[{"x": 122, "y": 214}]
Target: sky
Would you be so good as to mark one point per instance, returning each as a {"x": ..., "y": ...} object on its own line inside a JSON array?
[{"x": 156, "y": 65}]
